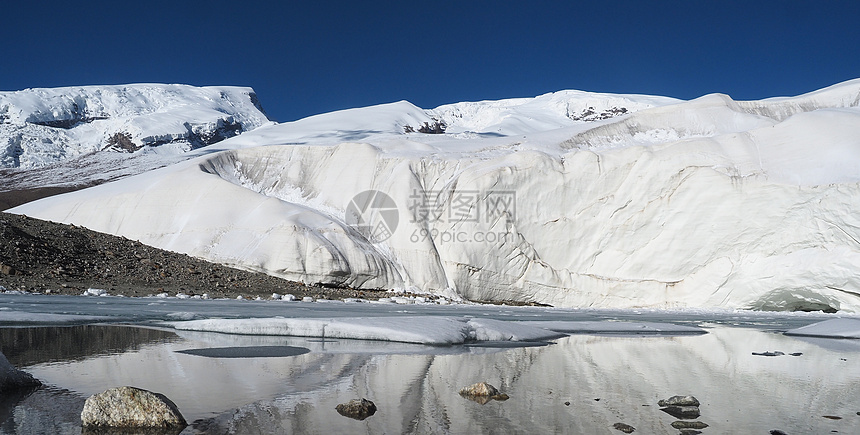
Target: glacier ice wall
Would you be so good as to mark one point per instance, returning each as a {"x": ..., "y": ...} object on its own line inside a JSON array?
[{"x": 704, "y": 203}]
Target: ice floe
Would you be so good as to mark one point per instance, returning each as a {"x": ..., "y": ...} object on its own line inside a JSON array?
[
  {"x": 435, "y": 330},
  {"x": 833, "y": 328},
  {"x": 605, "y": 327}
]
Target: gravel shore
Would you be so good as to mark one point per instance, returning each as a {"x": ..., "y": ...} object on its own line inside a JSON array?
[{"x": 46, "y": 257}]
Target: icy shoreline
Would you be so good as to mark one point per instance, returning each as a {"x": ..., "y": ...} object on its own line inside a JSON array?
[{"x": 424, "y": 323}]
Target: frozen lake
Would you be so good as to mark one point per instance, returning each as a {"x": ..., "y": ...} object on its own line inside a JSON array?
[{"x": 582, "y": 382}]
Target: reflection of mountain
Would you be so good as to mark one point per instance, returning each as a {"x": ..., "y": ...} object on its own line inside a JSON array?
[
  {"x": 416, "y": 387},
  {"x": 740, "y": 393},
  {"x": 28, "y": 346}
]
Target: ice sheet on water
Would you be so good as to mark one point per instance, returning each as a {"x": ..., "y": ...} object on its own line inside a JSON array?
[
  {"x": 320, "y": 345},
  {"x": 500, "y": 330},
  {"x": 833, "y": 328},
  {"x": 604, "y": 327},
  {"x": 408, "y": 329},
  {"x": 435, "y": 330}
]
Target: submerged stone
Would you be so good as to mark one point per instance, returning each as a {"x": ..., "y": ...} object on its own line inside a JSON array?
[
  {"x": 626, "y": 428},
  {"x": 769, "y": 353},
  {"x": 689, "y": 425},
  {"x": 682, "y": 412}
]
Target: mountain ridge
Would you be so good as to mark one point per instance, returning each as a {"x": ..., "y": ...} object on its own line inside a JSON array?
[{"x": 701, "y": 203}]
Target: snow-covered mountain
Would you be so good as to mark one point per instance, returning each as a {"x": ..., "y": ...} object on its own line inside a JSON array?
[
  {"x": 40, "y": 127},
  {"x": 569, "y": 199}
]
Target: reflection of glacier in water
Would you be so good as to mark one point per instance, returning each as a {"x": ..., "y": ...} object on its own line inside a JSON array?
[{"x": 415, "y": 386}]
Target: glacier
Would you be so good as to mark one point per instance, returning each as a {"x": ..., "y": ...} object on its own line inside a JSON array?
[{"x": 570, "y": 199}]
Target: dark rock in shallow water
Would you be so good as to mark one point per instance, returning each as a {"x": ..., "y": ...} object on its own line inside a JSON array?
[
  {"x": 689, "y": 425},
  {"x": 479, "y": 389},
  {"x": 12, "y": 379},
  {"x": 682, "y": 412},
  {"x": 130, "y": 407},
  {"x": 679, "y": 401},
  {"x": 626, "y": 428},
  {"x": 769, "y": 353},
  {"x": 482, "y": 393},
  {"x": 357, "y": 409}
]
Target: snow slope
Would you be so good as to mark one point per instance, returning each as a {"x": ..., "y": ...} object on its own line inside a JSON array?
[
  {"x": 703, "y": 203},
  {"x": 39, "y": 127}
]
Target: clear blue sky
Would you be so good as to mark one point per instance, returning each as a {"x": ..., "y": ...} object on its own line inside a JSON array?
[{"x": 308, "y": 57}]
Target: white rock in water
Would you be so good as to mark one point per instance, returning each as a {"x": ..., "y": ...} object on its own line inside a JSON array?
[
  {"x": 130, "y": 407},
  {"x": 95, "y": 292},
  {"x": 12, "y": 378}
]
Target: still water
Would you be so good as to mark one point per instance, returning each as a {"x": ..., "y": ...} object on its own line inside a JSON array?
[{"x": 577, "y": 384}]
